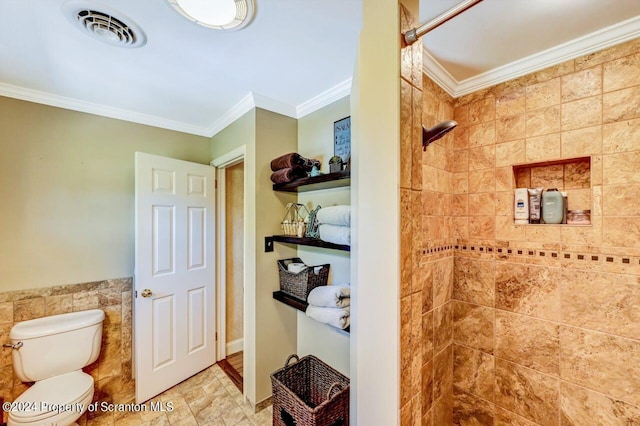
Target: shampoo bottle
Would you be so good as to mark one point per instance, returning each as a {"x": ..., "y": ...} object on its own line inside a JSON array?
[
  {"x": 552, "y": 206},
  {"x": 521, "y": 207}
]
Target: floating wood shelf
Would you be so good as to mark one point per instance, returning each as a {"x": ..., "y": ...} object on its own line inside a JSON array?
[
  {"x": 330, "y": 180},
  {"x": 304, "y": 241},
  {"x": 294, "y": 302}
]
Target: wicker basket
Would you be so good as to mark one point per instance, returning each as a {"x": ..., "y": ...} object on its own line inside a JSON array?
[
  {"x": 301, "y": 283},
  {"x": 309, "y": 393},
  {"x": 294, "y": 220}
]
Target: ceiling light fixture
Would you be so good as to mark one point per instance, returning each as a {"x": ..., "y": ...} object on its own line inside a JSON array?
[{"x": 217, "y": 14}]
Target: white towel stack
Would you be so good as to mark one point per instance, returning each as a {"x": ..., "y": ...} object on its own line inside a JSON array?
[
  {"x": 335, "y": 224},
  {"x": 330, "y": 304}
]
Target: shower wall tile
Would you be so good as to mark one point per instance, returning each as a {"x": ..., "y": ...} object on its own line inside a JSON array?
[
  {"x": 532, "y": 395},
  {"x": 443, "y": 373},
  {"x": 504, "y": 179},
  {"x": 510, "y": 104},
  {"x": 582, "y": 113},
  {"x": 543, "y": 148},
  {"x": 482, "y": 134},
  {"x": 468, "y": 409},
  {"x": 416, "y": 140},
  {"x": 504, "y": 417},
  {"x": 528, "y": 289},
  {"x": 543, "y": 121},
  {"x": 622, "y": 168},
  {"x": 547, "y": 177},
  {"x": 601, "y": 362},
  {"x": 621, "y": 73},
  {"x": 528, "y": 341},
  {"x": 442, "y": 327},
  {"x": 482, "y": 227},
  {"x": 482, "y": 204},
  {"x": 621, "y": 105},
  {"x": 482, "y": 181},
  {"x": 474, "y": 281},
  {"x": 622, "y": 136},
  {"x": 608, "y": 55},
  {"x": 406, "y": 132},
  {"x": 621, "y": 200},
  {"x": 474, "y": 372},
  {"x": 509, "y": 153},
  {"x": 483, "y": 157},
  {"x": 580, "y": 406},
  {"x": 582, "y": 84},
  {"x": 581, "y": 142},
  {"x": 473, "y": 326},
  {"x": 482, "y": 111},
  {"x": 621, "y": 231},
  {"x": 559, "y": 322},
  {"x": 543, "y": 95}
]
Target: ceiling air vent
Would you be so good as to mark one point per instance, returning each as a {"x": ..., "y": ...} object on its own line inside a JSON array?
[{"x": 105, "y": 25}]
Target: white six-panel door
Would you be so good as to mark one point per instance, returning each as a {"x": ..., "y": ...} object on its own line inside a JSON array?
[{"x": 174, "y": 300}]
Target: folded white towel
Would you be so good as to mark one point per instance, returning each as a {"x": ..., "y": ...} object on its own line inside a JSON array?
[
  {"x": 335, "y": 215},
  {"x": 337, "y": 317},
  {"x": 335, "y": 234},
  {"x": 330, "y": 296}
]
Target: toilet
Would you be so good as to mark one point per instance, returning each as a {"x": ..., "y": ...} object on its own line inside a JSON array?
[{"x": 51, "y": 352}]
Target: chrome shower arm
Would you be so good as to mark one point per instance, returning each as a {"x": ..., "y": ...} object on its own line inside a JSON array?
[{"x": 414, "y": 34}]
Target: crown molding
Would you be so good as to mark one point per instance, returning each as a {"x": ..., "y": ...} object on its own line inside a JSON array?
[
  {"x": 598, "y": 40},
  {"x": 245, "y": 105},
  {"x": 45, "y": 98},
  {"x": 325, "y": 98},
  {"x": 274, "y": 105}
]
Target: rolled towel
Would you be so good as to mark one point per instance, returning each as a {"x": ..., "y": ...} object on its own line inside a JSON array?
[
  {"x": 335, "y": 215},
  {"x": 337, "y": 317},
  {"x": 287, "y": 161},
  {"x": 288, "y": 175},
  {"x": 335, "y": 234},
  {"x": 293, "y": 159},
  {"x": 330, "y": 296}
]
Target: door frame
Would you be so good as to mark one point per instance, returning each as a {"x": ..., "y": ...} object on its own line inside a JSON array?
[{"x": 229, "y": 159}]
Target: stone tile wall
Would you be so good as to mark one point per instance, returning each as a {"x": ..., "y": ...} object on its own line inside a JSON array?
[
  {"x": 545, "y": 317},
  {"x": 426, "y": 357},
  {"x": 112, "y": 370}
]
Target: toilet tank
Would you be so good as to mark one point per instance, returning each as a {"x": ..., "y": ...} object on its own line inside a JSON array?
[{"x": 56, "y": 344}]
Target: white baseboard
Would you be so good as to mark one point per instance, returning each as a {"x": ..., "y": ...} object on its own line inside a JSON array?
[{"x": 235, "y": 346}]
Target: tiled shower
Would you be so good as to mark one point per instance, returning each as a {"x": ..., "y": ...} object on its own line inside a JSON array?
[{"x": 505, "y": 324}]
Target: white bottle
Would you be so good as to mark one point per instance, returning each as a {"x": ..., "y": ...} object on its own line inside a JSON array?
[{"x": 521, "y": 206}]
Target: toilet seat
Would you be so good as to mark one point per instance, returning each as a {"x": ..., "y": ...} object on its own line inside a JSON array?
[{"x": 69, "y": 388}]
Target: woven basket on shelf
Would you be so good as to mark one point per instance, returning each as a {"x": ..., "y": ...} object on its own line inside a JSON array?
[
  {"x": 300, "y": 284},
  {"x": 294, "y": 220},
  {"x": 309, "y": 393}
]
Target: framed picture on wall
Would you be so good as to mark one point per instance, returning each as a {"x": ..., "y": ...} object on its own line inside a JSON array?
[{"x": 342, "y": 138}]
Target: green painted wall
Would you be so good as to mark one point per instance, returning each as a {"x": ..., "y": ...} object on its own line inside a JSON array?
[{"x": 67, "y": 192}]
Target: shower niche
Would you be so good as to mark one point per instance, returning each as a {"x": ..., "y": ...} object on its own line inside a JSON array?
[{"x": 572, "y": 175}]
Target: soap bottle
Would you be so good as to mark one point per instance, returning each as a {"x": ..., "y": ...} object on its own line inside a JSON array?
[
  {"x": 552, "y": 206},
  {"x": 521, "y": 206}
]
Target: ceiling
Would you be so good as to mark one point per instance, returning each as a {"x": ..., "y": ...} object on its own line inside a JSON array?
[{"x": 293, "y": 58}]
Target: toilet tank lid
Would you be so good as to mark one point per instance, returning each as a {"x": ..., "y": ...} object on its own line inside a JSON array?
[{"x": 56, "y": 324}]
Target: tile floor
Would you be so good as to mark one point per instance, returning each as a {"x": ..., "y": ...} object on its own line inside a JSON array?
[{"x": 208, "y": 398}]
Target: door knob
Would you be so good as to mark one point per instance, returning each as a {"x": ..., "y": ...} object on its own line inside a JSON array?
[{"x": 146, "y": 292}]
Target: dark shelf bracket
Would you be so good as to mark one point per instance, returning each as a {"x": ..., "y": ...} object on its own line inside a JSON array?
[{"x": 268, "y": 244}]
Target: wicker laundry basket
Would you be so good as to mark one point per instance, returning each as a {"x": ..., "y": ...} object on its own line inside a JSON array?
[
  {"x": 309, "y": 393},
  {"x": 300, "y": 284}
]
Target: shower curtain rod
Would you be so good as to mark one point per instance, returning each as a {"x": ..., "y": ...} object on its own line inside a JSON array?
[{"x": 414, "y": 34}]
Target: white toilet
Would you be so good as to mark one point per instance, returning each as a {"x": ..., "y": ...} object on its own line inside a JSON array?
[{"x": 51, "y": 352}]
